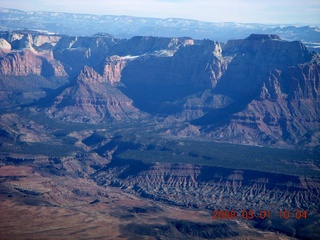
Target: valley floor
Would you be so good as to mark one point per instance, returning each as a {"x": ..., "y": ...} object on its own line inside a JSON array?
[{"x": 34, "y": 206}]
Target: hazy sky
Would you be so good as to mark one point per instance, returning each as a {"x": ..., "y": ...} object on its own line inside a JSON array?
[{"x": 246, "y": 11}]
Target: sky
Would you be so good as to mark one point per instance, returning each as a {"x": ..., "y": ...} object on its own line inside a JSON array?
[{"x": 243, "y": 11}]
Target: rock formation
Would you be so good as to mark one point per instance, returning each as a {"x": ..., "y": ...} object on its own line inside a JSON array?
[
  {"x": 92, "y": 100},
  {"x": 209, "y": 187},
  {"x": 275, "y": 85},
  {"x": 258, "y": 90}
]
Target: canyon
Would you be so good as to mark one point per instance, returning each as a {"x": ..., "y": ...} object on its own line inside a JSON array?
[
  {"x": 146, "y": 137},
  {"x": 260, "y": 90}
]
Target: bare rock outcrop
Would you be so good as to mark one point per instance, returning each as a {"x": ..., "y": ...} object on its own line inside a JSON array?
[
  {"x": 286, "y": 111},
  {"x": 210, "y": 187},
  {"x": 77, "y": 52},
  {"x": 28, "y": 63},
  {"x": 113, "y": 68},
  {"x": 4, "y": 45},
  {"x": 274, "y": 85},
  {"x": 140, "y": 45},
  {"x": 155, "y": 82},
  {"x": 258, "y": 90},
  {"x": 92, "y": 100},
  {"x": 252, "y": 60},
  {"x": 27, "y": 57}
]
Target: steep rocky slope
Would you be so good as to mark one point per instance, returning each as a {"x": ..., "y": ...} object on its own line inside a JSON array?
[
  {"x": 92, "y": 100},
  {"x": 24, "y": 60},
  {"x": 258, "y": 90},
  {"x": 210, "y": 187},
  {"x": 155, "y": 82},
  {"x": 275, "y": 88},
  {"x": 254, "y": 57}
]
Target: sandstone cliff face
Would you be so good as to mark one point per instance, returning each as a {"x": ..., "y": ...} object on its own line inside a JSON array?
[
  {"x": 141, "y": 49},
  {"x": 20, "y": 40},
  {"x": 21, "y": 64},
  {"x": 113, "y": 67},
  {"x": 155, "y": 82},
  {"x": 275, "y": 94},
  {"x": 198, "y": 65},
  {"x": 4, "y": 45},
  {"x": 137, "y": 46},
  {"x": 77, "y": 52},
  {"x": 28, "y": 62},
  {"x": 287, "y": 111},
  {"x": 36, "y": 53},
  {"x": 27, "y": 57},
  {"x": 91, "y": 100},
  {"x": 42, "y": 41},
  {"x": 252, "y": 60}
]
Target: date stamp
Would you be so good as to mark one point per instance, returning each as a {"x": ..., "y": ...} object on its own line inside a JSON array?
[{"x": 257, "y": 215}]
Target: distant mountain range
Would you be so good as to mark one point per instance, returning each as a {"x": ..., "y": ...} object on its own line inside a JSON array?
[{"x": 127, "y": 26}]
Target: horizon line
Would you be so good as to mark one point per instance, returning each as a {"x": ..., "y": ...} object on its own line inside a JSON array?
[{"x": 177, "y": 18}]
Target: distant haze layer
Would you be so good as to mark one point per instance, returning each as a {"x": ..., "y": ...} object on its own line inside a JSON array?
[{"x": 244, "y": 11}]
